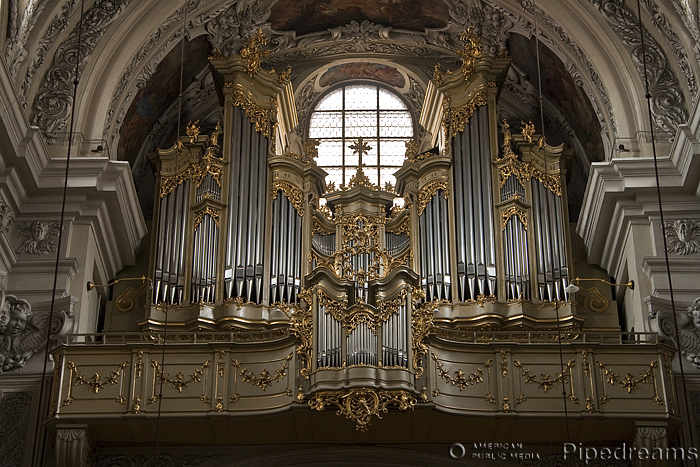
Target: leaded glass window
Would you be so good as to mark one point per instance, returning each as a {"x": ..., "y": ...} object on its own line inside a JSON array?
[{"x": 372, "y": 113}]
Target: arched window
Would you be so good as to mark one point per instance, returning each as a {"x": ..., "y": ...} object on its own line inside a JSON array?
[{"x": 372, "y": 113}]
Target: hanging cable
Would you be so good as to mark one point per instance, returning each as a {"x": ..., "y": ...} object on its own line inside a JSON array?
[
  {"x": 37, "y": 460},
  {"x": 647, "y": 95},
  {"x": 178, "y": 142},
  {"x": 550, "y": 225}
]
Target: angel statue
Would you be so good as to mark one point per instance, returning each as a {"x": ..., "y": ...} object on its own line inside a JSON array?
[{"x": 21, "y": 333}]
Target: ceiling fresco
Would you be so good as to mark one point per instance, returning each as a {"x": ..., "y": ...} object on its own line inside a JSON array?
[
  {"x": 159, "y": 93},
  {"x": 560, "y": 89},
  {"x": 306, "y": 16},
  {"x": 357, "y": 70}
]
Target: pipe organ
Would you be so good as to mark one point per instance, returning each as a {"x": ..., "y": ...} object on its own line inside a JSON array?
[{"x": 247, "y": 238}]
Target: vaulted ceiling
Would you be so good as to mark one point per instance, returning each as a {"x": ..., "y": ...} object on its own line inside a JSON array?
[{"x": 132, "y": 52}]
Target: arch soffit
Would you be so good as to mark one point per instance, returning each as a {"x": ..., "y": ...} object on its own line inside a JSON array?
[{"x": 155, "y": 43}]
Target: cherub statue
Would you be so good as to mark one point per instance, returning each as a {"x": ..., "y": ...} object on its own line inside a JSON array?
[
  {"x": 689, "y": 333},
  {"x": 21, "y": 337}
]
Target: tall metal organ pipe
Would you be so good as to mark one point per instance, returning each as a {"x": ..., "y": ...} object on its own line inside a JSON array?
[
  {"x": 285, "y": 269},
  {"x": 169, "y": 274},
  {"x": 473, "y": 200},
  {"x": 243, "y": 269}
]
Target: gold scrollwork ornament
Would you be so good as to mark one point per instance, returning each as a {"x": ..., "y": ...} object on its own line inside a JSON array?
[
  {"x": 361, "y": 404},
  {"x": 428, "y": 191}
]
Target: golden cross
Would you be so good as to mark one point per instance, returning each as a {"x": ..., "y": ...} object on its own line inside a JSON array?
[{"x": 360, "y": 148}]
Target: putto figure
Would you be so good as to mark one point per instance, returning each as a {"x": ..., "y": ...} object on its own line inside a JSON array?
[{"x": 20, "y": 334}]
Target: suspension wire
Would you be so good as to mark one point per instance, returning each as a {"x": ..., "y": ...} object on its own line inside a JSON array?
[
  {"x": 165, "y": 327},
  {"x": 160, "y": 389},
  {"x": 37, "y": 460},
  {"x": 550, "y": 224},
  {"x": 647, "y": 96}
]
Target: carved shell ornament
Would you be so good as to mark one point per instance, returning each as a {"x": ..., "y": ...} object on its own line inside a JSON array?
[{"x": 682, "y": 236}]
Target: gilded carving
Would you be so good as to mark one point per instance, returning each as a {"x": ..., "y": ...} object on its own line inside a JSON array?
[
  {"x": 428, "y": 191},
  {"x": 460, "y": 117},
  {"x": 421, "y": 325},
  {"x": 301, "y": 323},
  {"x": 192, "y": 130},
  {"x": 360, "y": 179},
  {"x": 332, "y": 307},
  {"x": 178, "y": 381},
  {"x": 361, "y": 404},
  {"x": 509, "y": 166},
  {"x": 96, "y": 383},
  {"x": 528, "y": 129},
  {"x": 265, "y": 378},
  {"x": 471, "y": 53},
  {"x": 214, "y": 213},
  {"x": 285, "y": 76},
  {"x": 125, "y": 302},
  {"x": 411, "y": 150},
  {"x": 438, "y": 74},
  {"x": 598, "y": 304},
  {"x": 311, "y": 148},
  {"x": 391, "y": 306},
  {"x": 628, "y": 381},
  {"x": 252, "y": 52},
  {"x": 506, "y": 214},
  {"x": 261, "y": 117},
  {"x": 293, "y": 193},
  {"x": 194, "y": 172},
  {"x": 460, "y": 378}
]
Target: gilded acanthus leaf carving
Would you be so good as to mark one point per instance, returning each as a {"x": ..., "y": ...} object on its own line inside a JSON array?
[
  {"x": 293, "y": 193},
  {"x": 361, "y": 404},
  {"x": 428, "y": 191}
]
